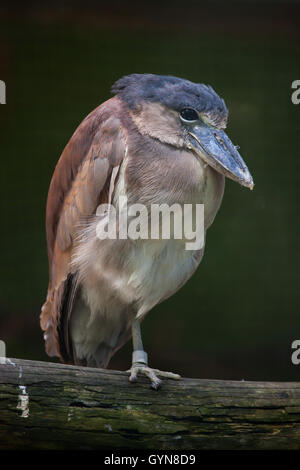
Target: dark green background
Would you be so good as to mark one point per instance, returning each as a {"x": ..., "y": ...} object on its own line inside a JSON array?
[{"x": 238, "y": 315}]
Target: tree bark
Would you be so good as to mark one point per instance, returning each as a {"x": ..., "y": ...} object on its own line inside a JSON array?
[{"x": 54, "y": 406}]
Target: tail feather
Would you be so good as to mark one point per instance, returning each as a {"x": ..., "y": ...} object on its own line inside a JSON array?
[{"x": 54, "y": 320}]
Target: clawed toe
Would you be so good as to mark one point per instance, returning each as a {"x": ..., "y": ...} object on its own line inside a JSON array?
[{"x": 152, "y": 374}]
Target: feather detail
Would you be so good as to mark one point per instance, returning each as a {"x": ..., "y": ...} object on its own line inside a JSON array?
[{"x": 81, "y": 181}]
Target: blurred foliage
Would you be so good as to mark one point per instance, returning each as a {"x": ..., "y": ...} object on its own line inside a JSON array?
[{"x": 238, "y": 315}]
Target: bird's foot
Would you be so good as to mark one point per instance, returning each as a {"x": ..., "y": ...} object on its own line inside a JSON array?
[{"x": 152, "y": 374}]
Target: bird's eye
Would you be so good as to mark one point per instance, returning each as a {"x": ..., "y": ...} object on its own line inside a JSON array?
[{"x": 188, "y": 115}]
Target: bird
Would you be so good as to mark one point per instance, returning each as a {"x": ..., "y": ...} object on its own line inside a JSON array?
[{"x": 159, "y": 139}]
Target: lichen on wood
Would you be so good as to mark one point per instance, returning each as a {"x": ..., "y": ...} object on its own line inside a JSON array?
[{"x": 55, "y": 406}]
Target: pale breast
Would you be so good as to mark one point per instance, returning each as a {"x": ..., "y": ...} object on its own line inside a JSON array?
[
  {"x": 155, "y": 269},
  {"x": 145, "y": 271},
  {"x": 121, "y": 279}
]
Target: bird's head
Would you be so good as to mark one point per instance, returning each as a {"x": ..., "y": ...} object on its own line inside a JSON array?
[{"x": 186, "y": 115}]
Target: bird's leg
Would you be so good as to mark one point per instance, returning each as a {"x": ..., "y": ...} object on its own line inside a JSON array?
[{"x": 140, "y": 361}]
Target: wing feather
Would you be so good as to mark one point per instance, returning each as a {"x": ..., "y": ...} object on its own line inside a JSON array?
[{"x": 83, "y": 179}]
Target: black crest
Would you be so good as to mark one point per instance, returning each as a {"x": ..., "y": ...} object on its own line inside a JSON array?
[{"x": 175, "y": 93}]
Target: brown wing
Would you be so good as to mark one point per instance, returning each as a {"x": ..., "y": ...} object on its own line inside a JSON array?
[{"x": 81, "y": 181}]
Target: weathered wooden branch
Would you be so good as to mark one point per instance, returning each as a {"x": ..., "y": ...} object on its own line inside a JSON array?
[{"x": 53, "y": 406}]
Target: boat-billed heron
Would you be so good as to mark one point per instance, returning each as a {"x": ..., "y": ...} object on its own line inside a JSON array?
[{"x": 159, "y": 140}]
